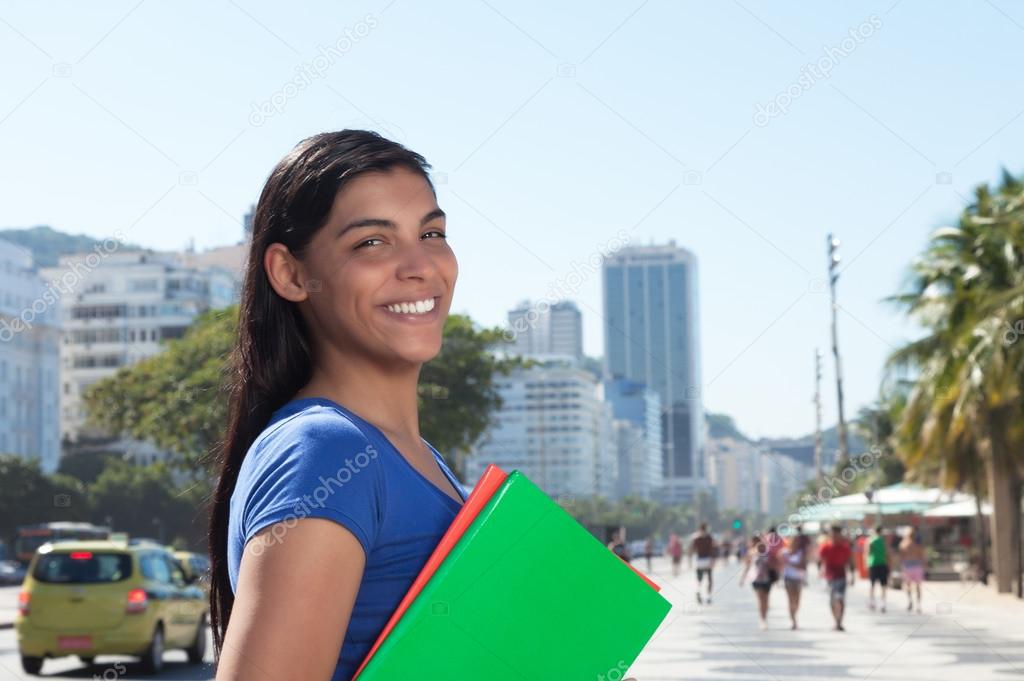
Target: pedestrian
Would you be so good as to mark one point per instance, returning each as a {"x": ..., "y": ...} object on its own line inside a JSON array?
[
  {"x": 912, "y": 561},
  {"x": 878, "y": 567},
  {"x": 675, "y": 552},
  {"x": 649, "y": 551},
  {"x": 348, "y": 285},
  {"x": 618, "y": 545},
  {"x": 794, "y": 570},
  {"x": 836, "y": 560},
  {"x": 759, "y": 560},
  {"x": 775, "y": 545},
  {"x": 702, "y": 545}
]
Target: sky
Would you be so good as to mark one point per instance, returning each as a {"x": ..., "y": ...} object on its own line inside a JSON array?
[{"x": 746, "y": 131}]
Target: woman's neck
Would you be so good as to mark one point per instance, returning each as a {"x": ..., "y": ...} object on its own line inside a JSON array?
[{"x": 387, "y": 399}]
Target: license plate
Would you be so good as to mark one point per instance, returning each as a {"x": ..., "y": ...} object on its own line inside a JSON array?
[{"x": 74, "y": 642}]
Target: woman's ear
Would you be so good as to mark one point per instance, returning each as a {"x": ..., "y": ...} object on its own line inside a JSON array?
[{"x": 285, "y": 273}]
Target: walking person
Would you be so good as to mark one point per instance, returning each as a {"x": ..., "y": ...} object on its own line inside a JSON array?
[
  {"x": 836, "y": 556},
  {"x": 878, "y": 567},
  {"x": 912, "y": 561},
  {"x": 618, "y": 546},
  {"x": 703, "y": 547},
  {"x": 794, "y": 570},
  {"x": 760, "y": 560},
  {"x": 649, "y": 551},
  {"x": 675, "y": 552}
]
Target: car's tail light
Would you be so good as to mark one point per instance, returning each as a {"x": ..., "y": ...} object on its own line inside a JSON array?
[
  {"x": 23, "y": 599},
  {"x": 81, "y": 555},
  {"x": 136, "y": 601}
]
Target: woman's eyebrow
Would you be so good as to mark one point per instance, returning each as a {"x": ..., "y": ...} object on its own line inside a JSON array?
[{"x": 390, "y": 224}]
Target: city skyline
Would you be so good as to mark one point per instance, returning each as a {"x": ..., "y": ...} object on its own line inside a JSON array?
[{"x": 564, "y": 140}]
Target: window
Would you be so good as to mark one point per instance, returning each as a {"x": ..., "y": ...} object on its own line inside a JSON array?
[
  {"x": 83, "y": 567},
  {"x": 138, "y": 285},
  {"x": 155, "y": 567}
]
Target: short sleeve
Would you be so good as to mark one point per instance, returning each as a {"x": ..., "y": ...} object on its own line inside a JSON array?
[{"x": 316, "y": 465}]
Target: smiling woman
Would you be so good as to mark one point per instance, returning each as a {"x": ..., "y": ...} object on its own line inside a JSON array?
[{"x": 329, "y": 501}]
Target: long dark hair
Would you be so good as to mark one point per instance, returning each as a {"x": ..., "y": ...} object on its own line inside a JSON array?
[{"x": 272, "y": 358}]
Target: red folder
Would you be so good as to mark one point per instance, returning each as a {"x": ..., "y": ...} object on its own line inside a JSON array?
[{"x": 489, "y": 483}]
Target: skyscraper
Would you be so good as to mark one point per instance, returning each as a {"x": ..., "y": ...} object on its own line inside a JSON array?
[{"x": 651, "y": 336}]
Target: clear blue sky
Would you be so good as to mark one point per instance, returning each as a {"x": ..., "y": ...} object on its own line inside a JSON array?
[{"x": 137, "y": 116}]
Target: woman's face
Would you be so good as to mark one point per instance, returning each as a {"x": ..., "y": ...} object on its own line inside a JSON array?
[{"x": 380, "y": 275}]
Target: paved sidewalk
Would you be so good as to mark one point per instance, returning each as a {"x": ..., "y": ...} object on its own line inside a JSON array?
[
  {"x": 8, "y": 605},
  {"x": 966, "y": 632}
]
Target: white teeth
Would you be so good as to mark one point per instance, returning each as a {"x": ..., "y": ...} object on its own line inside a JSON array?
[{"x": 416, "y": 307}]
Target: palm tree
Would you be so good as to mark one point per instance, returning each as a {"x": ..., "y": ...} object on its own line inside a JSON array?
[{"x": 964, "y": 405}]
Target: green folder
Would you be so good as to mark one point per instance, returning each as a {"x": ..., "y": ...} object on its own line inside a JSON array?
[{"x": 527, "y": 594}]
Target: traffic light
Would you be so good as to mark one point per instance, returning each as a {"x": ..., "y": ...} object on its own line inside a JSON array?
[{"x": 737, "y": 524}]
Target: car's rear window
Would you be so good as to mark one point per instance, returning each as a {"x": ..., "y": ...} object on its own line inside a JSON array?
[{"x": 83, "y": 567}]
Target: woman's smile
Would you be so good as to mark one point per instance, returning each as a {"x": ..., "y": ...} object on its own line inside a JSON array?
[{"x": 413, "y": 311}]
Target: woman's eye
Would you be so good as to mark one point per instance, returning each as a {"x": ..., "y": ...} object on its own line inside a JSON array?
[
  {"x": 364, "y": 243},
  {"x": 438, "y": 233}
]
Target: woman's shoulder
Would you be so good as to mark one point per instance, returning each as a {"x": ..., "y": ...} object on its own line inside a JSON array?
[{"x": 310, "y": 436}]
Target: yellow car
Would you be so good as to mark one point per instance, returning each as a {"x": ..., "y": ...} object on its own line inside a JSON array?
[
  {"x": 196, "y": 567},
  {"x": 90, "y": 598}
]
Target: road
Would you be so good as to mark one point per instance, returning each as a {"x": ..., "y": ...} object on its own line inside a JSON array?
[{"x": 965, "y": 632}]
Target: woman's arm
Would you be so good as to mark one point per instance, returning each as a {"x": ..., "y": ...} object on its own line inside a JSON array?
[{"x": 296, "y": 590}]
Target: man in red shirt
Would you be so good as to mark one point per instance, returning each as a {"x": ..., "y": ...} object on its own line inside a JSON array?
[{"x": 835, "y": 555}]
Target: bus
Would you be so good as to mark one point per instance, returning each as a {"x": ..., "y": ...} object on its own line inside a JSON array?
[{"x": 28, "y": 538}]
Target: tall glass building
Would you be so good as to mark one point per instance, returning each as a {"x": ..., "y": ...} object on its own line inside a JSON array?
[{"x": 651, "y": 336}]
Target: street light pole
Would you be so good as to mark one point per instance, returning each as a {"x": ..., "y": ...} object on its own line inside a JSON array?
[
  {"x": 818, "y": 443},
  {"x": 833, "y": 277}
]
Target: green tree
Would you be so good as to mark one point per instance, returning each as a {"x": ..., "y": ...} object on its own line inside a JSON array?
[
  {"x": 143, "y": 501},
  {"x": 964, "y": 380},
  {"x": 176, "y": 398},
  {"x": 85, "y": 466},
  {"x": 31, "y": 497}
]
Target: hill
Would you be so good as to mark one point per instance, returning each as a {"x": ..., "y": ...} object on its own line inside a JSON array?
[{"x": 48, "y": 245}]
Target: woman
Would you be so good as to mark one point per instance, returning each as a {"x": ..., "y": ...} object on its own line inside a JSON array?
[
  {"x": 794, "y": 570},
  {"x": 329, "y": 502},
  {"x": 761, "y": 559},
  {"x": 912, "y": 558},
  {"x": 675, "y": 551}
]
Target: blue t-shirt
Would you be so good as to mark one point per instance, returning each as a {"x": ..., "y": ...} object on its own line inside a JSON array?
[{"x": 317, "y": 459}]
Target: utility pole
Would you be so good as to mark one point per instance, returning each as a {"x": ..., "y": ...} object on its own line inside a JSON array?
[
  {"x": 833, "y": 277},
  {"x": 819, "y": 445}
]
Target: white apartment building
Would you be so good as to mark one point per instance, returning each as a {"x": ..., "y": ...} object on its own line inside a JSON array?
[
  {"x": 751, "y": 477},
  {"x": 781, "y": 478},
  {"x": 544, "y": 328},
  {"x": 29, "y": 362},
  {"x": 734, "y": 473},
  {"x": 116, "y": 311},
  {"x": 555, "y": 427}
]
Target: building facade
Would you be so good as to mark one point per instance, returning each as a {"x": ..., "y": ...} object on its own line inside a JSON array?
[
  {"x": 119, "y": 310},
  {"x": 555, "y": 427},
  {"x": 637, "y": 412},
  {"x": 546, "y": 329},
  {"x": 29, "y": 362}
]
